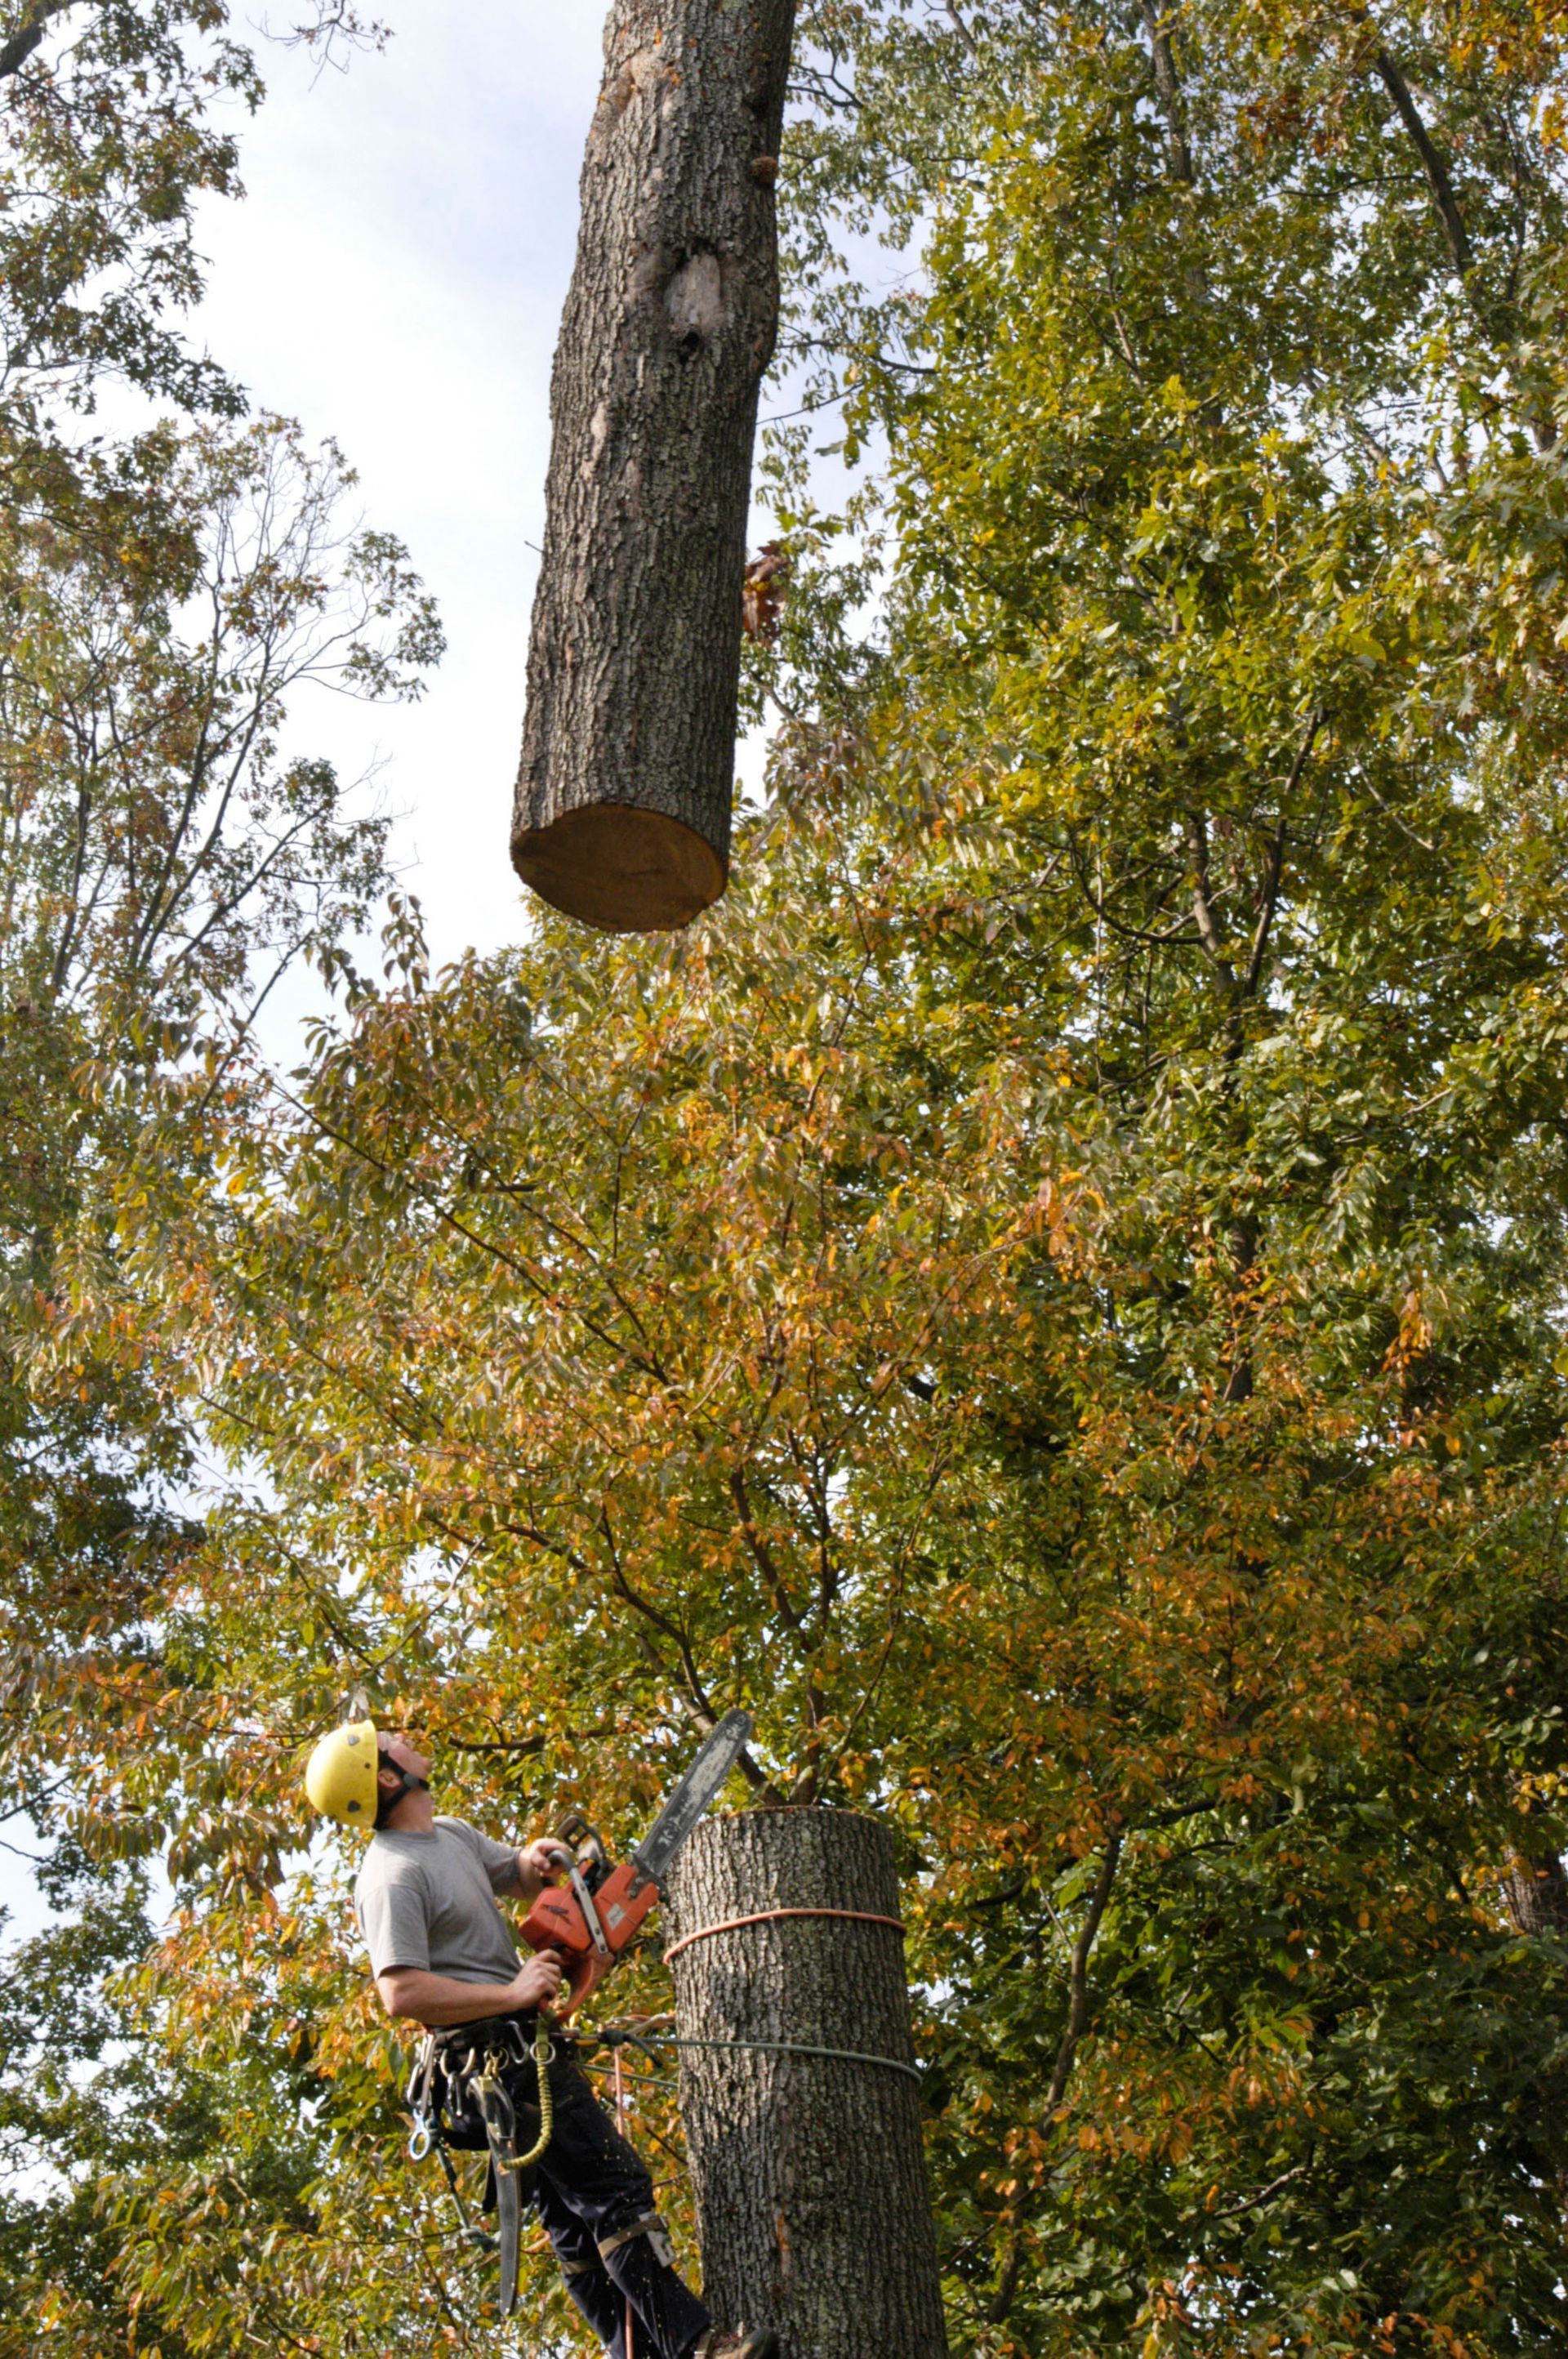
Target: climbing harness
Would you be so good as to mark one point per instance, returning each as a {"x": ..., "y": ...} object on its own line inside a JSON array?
[
  {"x": 459, "y": 2098},
  {"x": 496, "y": 2105}
]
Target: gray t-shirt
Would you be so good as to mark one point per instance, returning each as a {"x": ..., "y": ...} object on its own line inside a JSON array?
[{"x": 429, "y": 1901}]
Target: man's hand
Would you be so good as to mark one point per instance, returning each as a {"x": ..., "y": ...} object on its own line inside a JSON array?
[
  {"x": 546, "y": 1859},
  {"x": 539, "y": 1863},
  {"x": 538, "y": 1983}
]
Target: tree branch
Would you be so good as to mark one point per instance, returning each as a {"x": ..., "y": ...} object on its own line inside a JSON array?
[
  {"x": 762, "y": 1556},
  {"x": 1274, "y": 863},
  {"x": 961, "y": 29},
  {"x": 1442, "y": 193},
  {"x": 22, "y": 44},
  {"x": 1078, "y": 1974},
  {"x": 1203, "y": 903},
  {"x": 1250, "y": 2203},
  {"x": 1168, "y": 84},
  {"x": 1067, "y": 2054}
]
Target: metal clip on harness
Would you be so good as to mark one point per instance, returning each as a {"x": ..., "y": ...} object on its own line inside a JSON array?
[
  {"x": 500, "y": 2128},
  {"x": 496, "y": 2105},
  {"x": 427, "y": 2141},
  {"x": 420, "y": 2083}
]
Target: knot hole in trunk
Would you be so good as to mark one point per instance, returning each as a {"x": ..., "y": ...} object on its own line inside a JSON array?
[{"x": 694, "y": 303}]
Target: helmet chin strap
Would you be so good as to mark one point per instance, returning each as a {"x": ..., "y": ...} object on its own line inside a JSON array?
[{"x": 407, "y": 1785}]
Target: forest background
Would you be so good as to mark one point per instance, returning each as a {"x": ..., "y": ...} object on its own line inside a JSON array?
[{"x": 1053, "y": 1296}]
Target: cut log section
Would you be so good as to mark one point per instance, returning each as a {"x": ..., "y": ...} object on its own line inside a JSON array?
[
  {"x": 813, "y": 2208},
  {"x": 627, "y": 780}
]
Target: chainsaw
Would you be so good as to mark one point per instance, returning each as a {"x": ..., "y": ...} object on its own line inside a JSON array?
[{"x": 593, "y": 1917}]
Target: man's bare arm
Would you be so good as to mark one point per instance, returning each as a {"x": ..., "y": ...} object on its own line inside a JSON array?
[{"x": 411, "y": 1994}]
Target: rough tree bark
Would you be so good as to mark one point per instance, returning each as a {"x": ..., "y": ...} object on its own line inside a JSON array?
[
  {"x": 1536, "y": 1891},
  {"x": 812, "y": 2199},
  {"x": 625, "y": 793}
]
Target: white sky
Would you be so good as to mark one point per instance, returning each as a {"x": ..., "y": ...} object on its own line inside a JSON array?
[{"x": 393, "y": 279}]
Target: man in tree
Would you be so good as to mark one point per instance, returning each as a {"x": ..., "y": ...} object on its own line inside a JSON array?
[{"x": 443, "y": 1955}]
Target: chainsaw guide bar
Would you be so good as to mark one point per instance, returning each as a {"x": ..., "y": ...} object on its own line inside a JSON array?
[{"x": 698, "y": 1791}]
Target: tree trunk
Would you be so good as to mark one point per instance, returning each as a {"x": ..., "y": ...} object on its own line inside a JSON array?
[
  {"x": 625, "y": 793},
  {"x": 812, "y": 2200},
  {"x": 1536, "y": 1891}
]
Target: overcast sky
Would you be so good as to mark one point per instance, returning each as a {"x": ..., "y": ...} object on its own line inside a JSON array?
[{"x": 394, "y": 278}]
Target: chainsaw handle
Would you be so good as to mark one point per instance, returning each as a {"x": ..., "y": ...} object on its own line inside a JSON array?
[
  {"x": 583, "y": 1975},
  {"x": 545, "y": 1858}
]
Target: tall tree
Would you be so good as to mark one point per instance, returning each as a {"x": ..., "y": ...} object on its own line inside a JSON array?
[
  {"x": 1054, "y": 1297},
  {"x": 165, "y": 858},
  {"x": 164, "y": 862},
  {"x": 161, "y": 860}
]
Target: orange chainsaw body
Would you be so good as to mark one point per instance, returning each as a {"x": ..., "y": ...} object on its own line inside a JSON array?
[{"x": 556, "y": 1921}]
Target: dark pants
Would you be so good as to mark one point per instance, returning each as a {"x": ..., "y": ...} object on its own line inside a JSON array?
[{"x": 589, "y": 2187}]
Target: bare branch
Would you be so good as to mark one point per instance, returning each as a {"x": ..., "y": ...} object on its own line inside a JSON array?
[{"x": 338, "y": 27}]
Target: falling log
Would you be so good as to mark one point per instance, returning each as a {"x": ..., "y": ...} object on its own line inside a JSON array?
[
  {"x": 813, "y": 2209},
  {"x": 628, "y": 772}
]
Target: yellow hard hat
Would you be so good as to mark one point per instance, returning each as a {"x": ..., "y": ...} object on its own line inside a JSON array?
[{"x": 340, "y": 1775}]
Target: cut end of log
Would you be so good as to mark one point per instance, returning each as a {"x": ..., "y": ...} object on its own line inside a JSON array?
[{"x": 624, "y": 870}]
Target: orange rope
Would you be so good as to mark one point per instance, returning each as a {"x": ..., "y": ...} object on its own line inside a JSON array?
[{"x": 770, "y": 1917}]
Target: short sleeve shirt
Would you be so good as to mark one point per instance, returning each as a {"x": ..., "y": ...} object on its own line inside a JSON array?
[{"x": 428, "y": 1901}]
